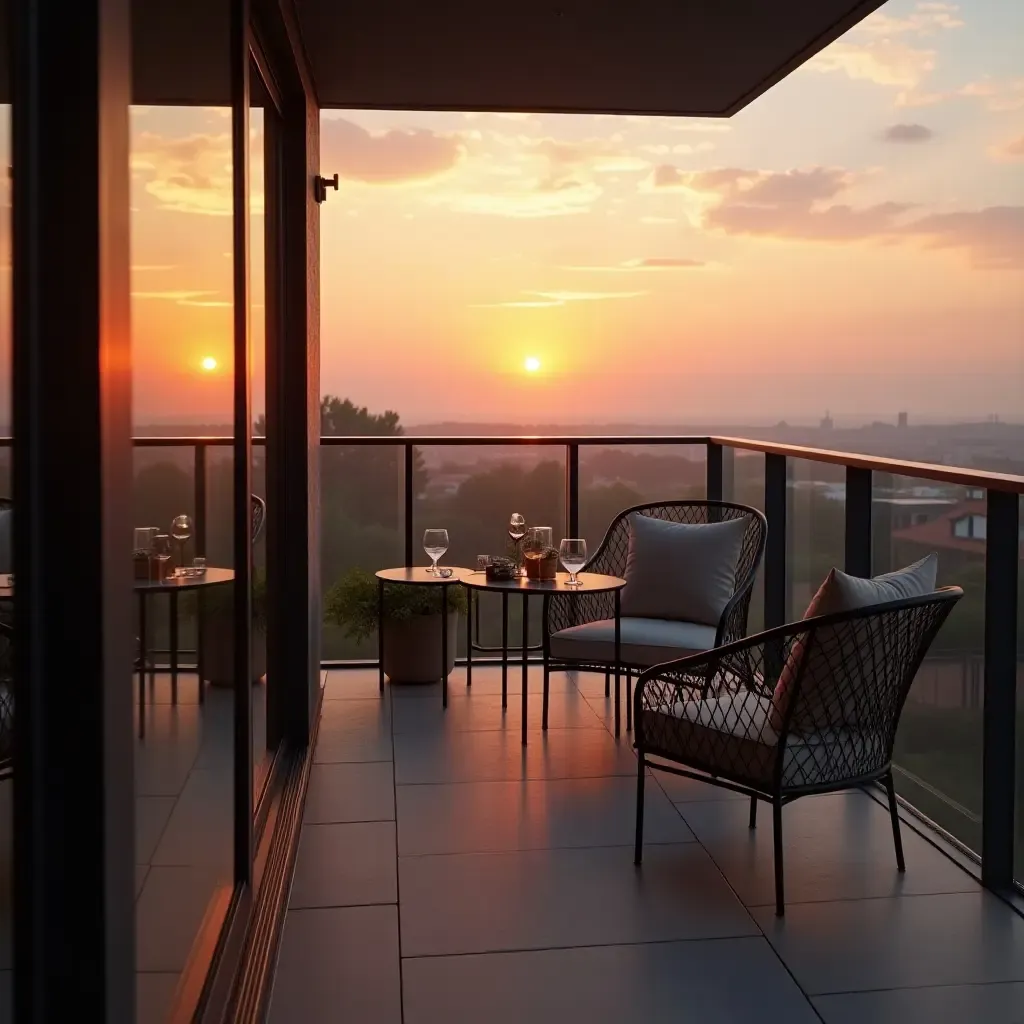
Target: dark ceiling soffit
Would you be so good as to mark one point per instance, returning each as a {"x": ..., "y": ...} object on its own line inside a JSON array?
[
  {"x": 826, "y": 38},
  {"x": 857, "y": 14}
]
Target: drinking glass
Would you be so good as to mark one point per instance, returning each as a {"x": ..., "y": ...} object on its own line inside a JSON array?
[
  {"x": 162, "y": 553},
  {"x": 181, "y": 530},
  {"x": 435, "y": 543},
  {"x": 516, "y": 532},
  {"x": 573, "y": 554}
]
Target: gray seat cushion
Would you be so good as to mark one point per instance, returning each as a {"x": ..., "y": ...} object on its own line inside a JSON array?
[
  {"x": 681, "y": 571},
  {"x": 644, "y": 642}
]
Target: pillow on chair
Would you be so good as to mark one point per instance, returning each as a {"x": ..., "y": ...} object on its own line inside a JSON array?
[
  {"x": 681, "y": 571},
  {"x": 839, "y": 593}
]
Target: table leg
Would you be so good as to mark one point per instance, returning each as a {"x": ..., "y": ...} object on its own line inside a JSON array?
[
  {"x": 504, "y": 650},
  {"x": 380, "y": 632},
  {"x": 618, "y": 658},
  {"x": 173, "y": 596},
  {"x": 469, "y": 639},
  {"x": 142, "y": 665},
  {"x": 444, "y": 645},
  {"x": 201, "y": 644},
  {"x": 526, "y": 654}
]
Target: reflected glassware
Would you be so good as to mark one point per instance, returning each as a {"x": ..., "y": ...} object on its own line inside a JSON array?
[
  {"x": 516, "y": 532},
  {"x": 181, "y": 530},
  {"x": 198, "y": 566},
  {"x": 572, "y": 553},
  {"x": 161, "y": 556},
  {"x": 435, "y": 543}
]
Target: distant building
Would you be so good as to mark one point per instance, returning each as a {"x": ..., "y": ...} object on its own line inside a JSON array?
[
  {"x": 901, "y": 420},
  {"x": 826, "y": 423}
]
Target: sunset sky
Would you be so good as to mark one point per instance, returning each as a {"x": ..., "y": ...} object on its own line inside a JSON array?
[{"x": 853, "y": 240}]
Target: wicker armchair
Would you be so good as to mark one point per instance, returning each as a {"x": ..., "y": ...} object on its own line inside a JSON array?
[
  {"x": 562, "y": 612},
  {"x": 721, "y": 715},
  {"x": 259, "y": 516}
]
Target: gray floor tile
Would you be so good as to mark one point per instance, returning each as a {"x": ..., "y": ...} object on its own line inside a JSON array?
[
  {"x": 835, "y": 847},
  {"x": 476, "y": 903},
  {"x": 338, "y": 965},
  {"x": 683, "y": 790},
  {"x": 658, "y": 983},
  {"x": 154, "y": 995},
  {"x": 345, "y": 865},
  {"x": 151, "y": 814},
  {"x": 490, "y": 756},
  {"x": 169, "y": 913},
  {"x": 352, "y": 684},
  {"x": 504, "y": 816},
  {"x": 856, "y": 945},
  {"x": 167, "y": 753},
  {"x": 141, "y": 870},
  {"x": 6, "y": 997},
  {"x": 350, "y": 792},
  {"x": 480, "y": 712},
  {"x": 198, "y": 830},
  {"x": 354, "y": 730},
  {"x": 948, "y": 1004},
  {"x": 487, "y": 681}
]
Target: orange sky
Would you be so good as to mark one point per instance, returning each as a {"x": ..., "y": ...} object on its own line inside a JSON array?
[{"x": 854, "y": 240}]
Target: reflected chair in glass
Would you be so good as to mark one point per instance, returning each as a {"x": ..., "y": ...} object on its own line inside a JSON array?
[
  {"x": 579, "y": 629},
  {"x": 752, "y": 717}
]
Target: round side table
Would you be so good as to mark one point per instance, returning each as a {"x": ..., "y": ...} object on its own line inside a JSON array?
[
  {"x": 418, "y": 576},
  {"x": 590, "y": 583}
]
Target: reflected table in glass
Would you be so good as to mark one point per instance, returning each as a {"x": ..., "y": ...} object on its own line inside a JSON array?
[
  {"x": 589, "y": 583},
  {"x": 418, "y": 576}
]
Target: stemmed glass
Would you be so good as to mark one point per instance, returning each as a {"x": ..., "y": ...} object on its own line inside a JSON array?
[
  {"x": 573, "y": 554},
  {"x": 435, "y": 543},
  {"x": 516, "y": 532},
  {"x": 181, "y": 530}
]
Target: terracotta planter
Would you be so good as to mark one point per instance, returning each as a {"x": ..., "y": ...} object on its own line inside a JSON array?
[
  {"x": 412, "y": 648},
  {"x": 218, "y": 659}
]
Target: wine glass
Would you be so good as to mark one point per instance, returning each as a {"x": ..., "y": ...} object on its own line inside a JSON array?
[
  {"x": 181, "y": 530},
  {"x": 516, "y": 532},
  {"x": 573, "y": 554},
  {"x": 435, "y": 543}
]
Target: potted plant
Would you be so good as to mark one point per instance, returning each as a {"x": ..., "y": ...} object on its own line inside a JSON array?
[
  {"x": 217, "y": 633},
  {"x": 412, "y": 642}
]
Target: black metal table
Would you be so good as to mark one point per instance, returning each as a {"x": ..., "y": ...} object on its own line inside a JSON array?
[
  {"x": 421, "y": 576},
  {"x": 172, "y": 586},
  {"x": 590, "y": 583}
]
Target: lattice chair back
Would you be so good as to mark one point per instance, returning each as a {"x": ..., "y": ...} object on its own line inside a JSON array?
[
  {"x": 842, "y": 689},
  {"x": 610, "y": 557},
  {"x": 808, "y": 706},
  {"x": 259, "y": 516}
]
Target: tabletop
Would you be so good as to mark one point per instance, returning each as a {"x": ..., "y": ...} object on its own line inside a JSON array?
[
  {"x": 419, "y": 574},
  {"x": 592, "y": 583},
  {"x": 209, "y": 579}
]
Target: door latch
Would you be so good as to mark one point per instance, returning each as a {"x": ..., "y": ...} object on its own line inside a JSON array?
[{"x": 321, "y": 185}]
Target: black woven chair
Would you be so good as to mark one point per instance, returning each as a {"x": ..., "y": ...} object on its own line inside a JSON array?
[
  {"x": 719, "y": 714},
  {"x": 259, "y": 516},
  {"x": 565, "y": 611}
]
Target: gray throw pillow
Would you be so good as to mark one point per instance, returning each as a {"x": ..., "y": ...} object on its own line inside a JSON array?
[{"x": 681, "y": 571}]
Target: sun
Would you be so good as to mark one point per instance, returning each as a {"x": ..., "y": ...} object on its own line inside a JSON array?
[
  {"x": 209, "y": 364},
  {"x": 532, "y": 364}
]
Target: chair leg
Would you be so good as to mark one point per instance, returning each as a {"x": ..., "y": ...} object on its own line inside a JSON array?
[
  {"x": 629, "y": 700},
  {"x": 638, "y": 851},
  {"x": 753, "y": 813},
  {"x": 890, "y": 789},
  {"x": 780, "y": 902},
  {"x": 607, "y": 683}
]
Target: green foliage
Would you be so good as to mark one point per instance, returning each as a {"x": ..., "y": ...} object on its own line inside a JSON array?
[
  {"x": 220, "y": 601},
  {"x": 352, "y": 603}
]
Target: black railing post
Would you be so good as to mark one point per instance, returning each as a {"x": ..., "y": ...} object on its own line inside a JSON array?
[
  {"x": 199, "y": 495},
  {"x": 1002, "y": 556},
  {"x": 572, "y": 490},
  {"x": 715, "y": 471},
  {"x": 858, "y": 543},
  {"x": 410, "y": 460},
  {"x": 775, "y": 508}
]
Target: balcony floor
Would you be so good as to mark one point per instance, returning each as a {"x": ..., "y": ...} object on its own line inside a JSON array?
[{"x": 445, "y": 874}]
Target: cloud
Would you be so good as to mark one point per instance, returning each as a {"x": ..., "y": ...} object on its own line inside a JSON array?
[
  {"x": 1012, "y": 150},
  {"x": 184, "y": 297},
  {"x": 530, "y": 200},
  {"x": 798, "y": 205},
  {"x": 649, "y": 263},
  {"x": 907, "y": 133},
  {"x": 546, "y": 300},
  {"x": 188, "y": 174},
  {"x": 396, "y": 156},
  {"x": 999, "y": 95}
]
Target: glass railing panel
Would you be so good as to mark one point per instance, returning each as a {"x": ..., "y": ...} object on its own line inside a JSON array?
[
  {"x": 938, "y": 754},
  {"x": 1018, "y": 859},
  {"x": 748, "y": 489}
]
